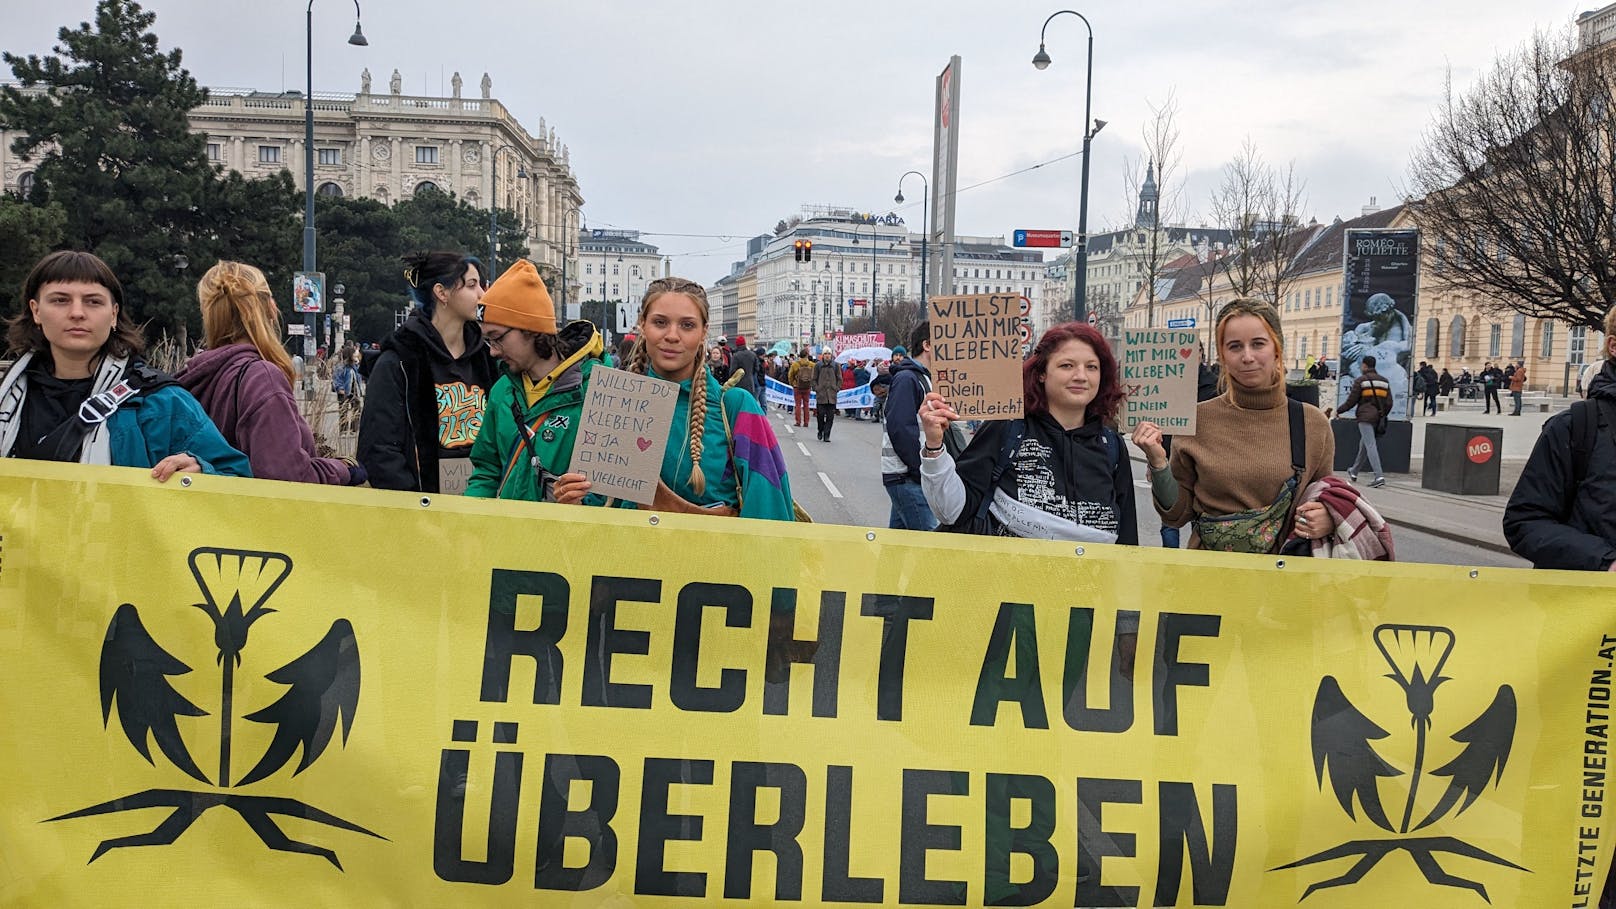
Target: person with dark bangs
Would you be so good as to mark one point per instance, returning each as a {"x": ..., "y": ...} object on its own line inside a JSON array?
[{"x": 1060, "y": 473}]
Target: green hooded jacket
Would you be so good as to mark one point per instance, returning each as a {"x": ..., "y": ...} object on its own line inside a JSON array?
[{"x": 501, "y": 462}]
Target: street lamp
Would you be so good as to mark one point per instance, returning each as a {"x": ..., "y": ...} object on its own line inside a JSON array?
[
  {"x": 1041, "y": 60},
  {"x": 925, "y": 199},
  {"x": 357, "y": 39},
  {"x": 567, "y": 239},
  {"x": 875, "y": 268},
  {"x": 493, "y": 207}
]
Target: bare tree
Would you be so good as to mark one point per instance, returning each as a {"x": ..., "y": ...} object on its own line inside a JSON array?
[
  {"x": 1238, "y": 205},
  {"x": 1516, "y": 182},
  {"x": 1163, "y": 157},
  {"x": 1260, "y": 206}
]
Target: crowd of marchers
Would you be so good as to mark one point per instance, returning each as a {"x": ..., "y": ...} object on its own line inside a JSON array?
[{"x": 481, "y": 391}]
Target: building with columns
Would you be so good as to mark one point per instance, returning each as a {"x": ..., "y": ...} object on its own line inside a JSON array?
[
  {"x": 614, "y": 266},
  {"x": 389, "y": 146}
]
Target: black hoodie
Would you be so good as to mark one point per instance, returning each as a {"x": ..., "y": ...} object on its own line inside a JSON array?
[{"x": 422, "y": 405}]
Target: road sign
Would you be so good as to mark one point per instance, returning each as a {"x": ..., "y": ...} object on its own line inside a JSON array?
[
  {"x": 1094, "y": 317},
  {"x": 1181, "y": 323},
  {"x": 295, "y": 328},
  {"x": 1050, "y": 239}
]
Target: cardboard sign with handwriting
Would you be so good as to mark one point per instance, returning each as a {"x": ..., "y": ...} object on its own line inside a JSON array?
[
  {"x": 976, "y": 354},
  {"x": 624, "y": 433},
  {"x": 1159, "y": 370}
]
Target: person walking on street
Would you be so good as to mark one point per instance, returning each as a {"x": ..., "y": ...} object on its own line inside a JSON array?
[
  {"x": 1490, "y": 379},
  {"x": 901, "y": 435},
  {"x": 1428, "y": 383},
  {"x": 801, "y": 375},
  {"x": 1444, "y": 383},
  {"x": 741, "y": 358},
  {"x": 827, "y": 382},
  {"x": 1371, "y": 396},
  {"x": 1517, "y": 385}
]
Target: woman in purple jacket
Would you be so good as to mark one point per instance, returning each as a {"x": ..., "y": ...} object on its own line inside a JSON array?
[{"x": 244, "y": 381}]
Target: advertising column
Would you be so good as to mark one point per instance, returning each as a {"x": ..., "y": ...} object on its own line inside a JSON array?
[{"x": 1377, "y": 312}]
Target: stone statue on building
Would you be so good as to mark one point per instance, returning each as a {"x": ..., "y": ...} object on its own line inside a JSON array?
[
  {"x": 364, "y": 82},
  {"x": 455, "y": 83},
  {"x": 488, "y": 86},
  {"x": 396, "y": 84}
]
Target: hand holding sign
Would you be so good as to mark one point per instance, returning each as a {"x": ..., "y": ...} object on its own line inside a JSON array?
[
  {"x": 935, "y": 416},
  {"x": 624, "y": 434}
]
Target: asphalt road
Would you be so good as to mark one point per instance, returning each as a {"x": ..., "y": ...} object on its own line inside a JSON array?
[{"x": 839, "y": 482}]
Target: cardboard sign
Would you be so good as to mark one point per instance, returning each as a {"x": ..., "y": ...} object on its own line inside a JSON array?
[
  {"x": 624, "y": 433},
  {"x": 976, "y": 354},
  {"x": 1159, "y": 370},
  {"x": 454, "y": 475}
]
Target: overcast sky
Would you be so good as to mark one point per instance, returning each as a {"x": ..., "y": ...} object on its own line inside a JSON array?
[{"x": 703, "y": 123}]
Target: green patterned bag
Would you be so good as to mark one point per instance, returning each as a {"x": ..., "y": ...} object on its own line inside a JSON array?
[{"x": 1258, "y": 530}]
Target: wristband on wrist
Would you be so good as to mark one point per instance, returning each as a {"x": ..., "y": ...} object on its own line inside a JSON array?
[{"x": 927, "y": 449}]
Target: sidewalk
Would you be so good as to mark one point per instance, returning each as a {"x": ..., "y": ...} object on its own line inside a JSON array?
[{"x": 1475, "y": 520}]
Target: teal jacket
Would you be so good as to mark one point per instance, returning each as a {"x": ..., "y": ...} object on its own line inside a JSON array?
[
  {"x": 755, "y": 480},
  {"x": 501, "y": 461},
  {"x": 155, "y": 424}
]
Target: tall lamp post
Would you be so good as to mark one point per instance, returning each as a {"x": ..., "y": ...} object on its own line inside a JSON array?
[
  {"x": 925, "y": 201},
  {"x": 567, "y": 238},
  {"x": 493, "y": 208},
  {"x": 1041, "y": 60},
  {"x": 357, "y": 39},
  {"x": 874, "y": 268}
]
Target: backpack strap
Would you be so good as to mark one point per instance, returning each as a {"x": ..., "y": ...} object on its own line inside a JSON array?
[
  {"x": 1298, "y": 427},
  {"x": 1584, "y": 427}
]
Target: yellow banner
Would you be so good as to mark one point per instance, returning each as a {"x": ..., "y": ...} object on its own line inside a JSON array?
[{"x": 233, "y": 692}]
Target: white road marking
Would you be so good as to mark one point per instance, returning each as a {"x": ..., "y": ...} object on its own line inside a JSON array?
[
  {"x": 791, "y": 431},
  {"x": 805, "y": 452},
  {"x": 835, "y": 493}
]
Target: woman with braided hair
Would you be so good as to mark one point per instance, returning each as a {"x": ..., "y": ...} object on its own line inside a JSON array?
[
  {"x": 244, "y": 381},
  {"x": 722, "y": 456}
]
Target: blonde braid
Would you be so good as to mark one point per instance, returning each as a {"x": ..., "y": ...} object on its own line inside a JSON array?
[
  {"x": 698, "y": 422},
  {"x": 637, "y": 357}
]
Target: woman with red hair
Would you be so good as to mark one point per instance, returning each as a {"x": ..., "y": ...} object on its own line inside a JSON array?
[{"x": 1058, "y": 474}]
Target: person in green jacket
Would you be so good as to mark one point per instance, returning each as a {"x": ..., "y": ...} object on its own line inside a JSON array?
[{"x": 533, "y": 411}]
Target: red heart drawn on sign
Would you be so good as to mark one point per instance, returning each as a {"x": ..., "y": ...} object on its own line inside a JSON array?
[
  {"x": 1185, "y": 352},
  {"x": 643, "y": 442}
]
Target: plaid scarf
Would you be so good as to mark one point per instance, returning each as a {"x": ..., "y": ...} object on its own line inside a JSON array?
[{"x": 1360, "y": 532}]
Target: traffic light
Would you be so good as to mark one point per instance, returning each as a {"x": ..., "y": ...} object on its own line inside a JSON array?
[
  {"x": 798, "y": 245},
  {"x": 807, "y": 250}
]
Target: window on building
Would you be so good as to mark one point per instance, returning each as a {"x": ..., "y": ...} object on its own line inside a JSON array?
[
  {"x": 1456, "y": 337},
  {"x": 213, "y": 151},
  {"x": 329, "y": 156},
  {"x": 1517, "y": 337},
  {"x": 1324, "y": 345},
  {"x": 25, "y": 184},
  {"x": 1578, "y": 348},
  {"x": 426, "y": 154},
  {"x": 589, "y": 269},
  {"x": 1495, "y": 340},
  {"x": 329, "y": 189},
  {"x": 424, "y": 187},
  {"x": 269, "y": 154},
  {"x": 1431, "y": 337},
  {"x": 615, "y": 290},
  {"x": 1546, "y": 333},
  {"x": 616, "y": 269}
]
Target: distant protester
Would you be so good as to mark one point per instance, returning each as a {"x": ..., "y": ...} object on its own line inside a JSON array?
[
  {"x": 79, "y": 390},
  {"x": 243, "y": 379},
  {"x": 427, "y": 390}
]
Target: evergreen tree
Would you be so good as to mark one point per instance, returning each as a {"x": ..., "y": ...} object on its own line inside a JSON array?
[
  {"x": 105, "y": 118},
  {"x": 27, "y": 233}
]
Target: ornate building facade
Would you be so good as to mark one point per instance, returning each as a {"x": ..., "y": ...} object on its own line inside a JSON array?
[{"x": 389, "y": 146}]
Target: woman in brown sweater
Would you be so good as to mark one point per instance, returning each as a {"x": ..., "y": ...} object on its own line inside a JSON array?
[{"x": 1238, "y": 463}]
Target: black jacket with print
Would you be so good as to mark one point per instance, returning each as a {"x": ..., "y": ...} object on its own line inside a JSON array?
[{"x": 1069, "y": 473}]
